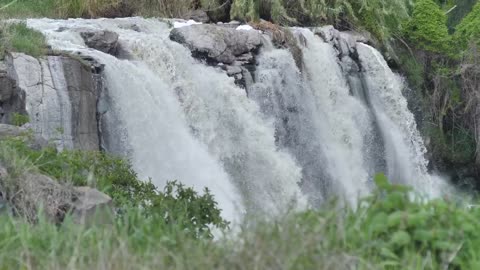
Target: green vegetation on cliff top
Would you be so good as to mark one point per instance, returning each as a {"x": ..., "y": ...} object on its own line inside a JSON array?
[{"x": 18, "y": 37}]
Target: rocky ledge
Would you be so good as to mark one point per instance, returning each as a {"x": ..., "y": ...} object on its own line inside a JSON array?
[{"x": 224, "y": 46}]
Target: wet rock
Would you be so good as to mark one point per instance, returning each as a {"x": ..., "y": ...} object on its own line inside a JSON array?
[
  {"x": 104, "y": 41},
  {"x": 215, "y": 43},
  {"x": 345, "y": 42},
  {"x": 232, "y": 70},
  {"x": 223, "y": 46}
]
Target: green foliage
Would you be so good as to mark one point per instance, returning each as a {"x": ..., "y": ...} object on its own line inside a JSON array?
[
  {"x": 390, "y": 229},
  {"x": 19, "y": 38},
  {"x": 455, "y": 146},
  {"x": 247, "y": 10},
  {"x": 186, "y": 209},
  {"x": 401, "y": 225},
  {"x": 469, "y": 28},
  {"x": 177, "y": 204},
  {"x": 462, "y": 8},
  {"x": 28, "y": 8},
  {"x": 427, "y": 28},
  {"x": 20, "y": 119}
]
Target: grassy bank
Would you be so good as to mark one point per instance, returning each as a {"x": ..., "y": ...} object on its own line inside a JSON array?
[
  {"x": 171, "y": 228},
  {"x": 19, "y": 38},
  {"x": 388, "y": 232}
]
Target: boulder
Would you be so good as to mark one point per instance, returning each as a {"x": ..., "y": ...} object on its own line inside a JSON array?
[
  {"x": 344, "y": 41},
  {"x": 34, "y": 142},
  {"x": 215, "y": 43},
  {"x": 31, "y": 193},
  {"x": 104, "y": 41},
  {"x": 91, "y": 205},
  {"x": 28, "y": 194},
  {"x": 10, "y": 131},
  {"x": 197, "y": 15}
]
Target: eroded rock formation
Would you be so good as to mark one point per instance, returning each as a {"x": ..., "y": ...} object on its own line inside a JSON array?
[{"x": 59, "y": 93}]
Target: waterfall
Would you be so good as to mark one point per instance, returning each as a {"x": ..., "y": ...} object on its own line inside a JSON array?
[
  {"x": 404, "y": 147},
  {"x": 312, "y": 133}
]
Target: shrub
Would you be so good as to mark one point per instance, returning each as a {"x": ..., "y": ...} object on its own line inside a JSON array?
[
  {"x": 427, "y": 28},
  {"x": 177, "y": 204},
  {"x": 469, "y": 28},
  {"x": 20, "y": 119},
  {"x": 390, "y": 229}
]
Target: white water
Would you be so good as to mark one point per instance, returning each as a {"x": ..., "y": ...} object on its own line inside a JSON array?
[
  {"x": 176, "y": 118},
  {"x": 404, "y": 146}
]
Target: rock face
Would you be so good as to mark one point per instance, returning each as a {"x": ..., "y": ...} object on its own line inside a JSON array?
[
  {"x": 60, "y": 98},
  {"x": 11, "y": 99},
  {"x": 30, "y": 192},
  {"x": 89, "y": 205},
  {"x": 216, "y": 43},
  {"x": 233, "y": 49},
  {"x": 104, "y": 41}
]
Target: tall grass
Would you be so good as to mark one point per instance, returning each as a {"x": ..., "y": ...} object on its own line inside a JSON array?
[
  {"x": 28, "y": 8},
  {"x": 19, "y": 38},
  {"x": 389, "y": 231},
  {"x": 94, "y": 8}
]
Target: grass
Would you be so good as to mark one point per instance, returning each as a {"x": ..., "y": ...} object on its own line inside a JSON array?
[
  {"x": 19, "y": 38},
  {"x": 390, "y": 229},
  {"x": 27, "y": 8},
  {"x": 93, "y": 8}
]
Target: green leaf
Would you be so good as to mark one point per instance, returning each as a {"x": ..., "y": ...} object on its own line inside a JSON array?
[
  {"x": 400, "y": 239},
  {"x": 381, "y": 181}
]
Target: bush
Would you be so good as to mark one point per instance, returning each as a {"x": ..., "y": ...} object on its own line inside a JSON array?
[
  {"x": 20, "y": 119},
  {"x": 427, "y": 28},
  {"x": 178, "y": 205},
  {"x": 391, "y": 229},
  {"x": 469, "y": 28}
]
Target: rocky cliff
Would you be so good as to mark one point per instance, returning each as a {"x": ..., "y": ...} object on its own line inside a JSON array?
[{"x": 58, "y": 92}]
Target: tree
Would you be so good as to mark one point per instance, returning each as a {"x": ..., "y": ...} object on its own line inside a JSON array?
[
  {"x": 469, "y": 29},
  {"x": 427, "y": 28}
]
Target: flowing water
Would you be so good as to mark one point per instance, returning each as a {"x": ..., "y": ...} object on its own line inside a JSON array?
[{"x": 299, "y": 135}]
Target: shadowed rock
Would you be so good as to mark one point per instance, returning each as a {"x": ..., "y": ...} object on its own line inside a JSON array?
[
  {"x": 60, "y": 98},
  {"x": 104, "y": 41}
]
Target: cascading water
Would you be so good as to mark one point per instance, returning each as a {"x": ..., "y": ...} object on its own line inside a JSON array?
[
  {"x": 404, "y": 148},
  {"x": 178, "y": 119},
  {"x": 309, "y": 130}
]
